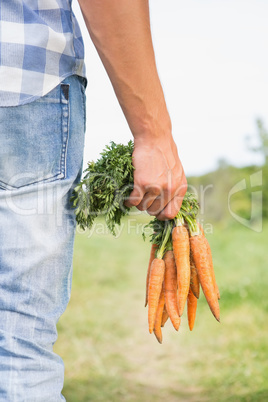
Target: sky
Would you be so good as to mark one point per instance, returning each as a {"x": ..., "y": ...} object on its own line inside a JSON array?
[{"x": 212, "y": 59}]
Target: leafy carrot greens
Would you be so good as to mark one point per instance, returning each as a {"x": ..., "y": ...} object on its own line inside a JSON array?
[{"x": 105, "y": 186}]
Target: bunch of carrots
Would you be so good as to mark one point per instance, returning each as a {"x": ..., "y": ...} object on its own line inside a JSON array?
[
  {"x": 180, "y": 256},
  {"x": 180, "y": 261}
]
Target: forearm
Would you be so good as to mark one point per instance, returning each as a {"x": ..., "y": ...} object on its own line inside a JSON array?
[{"x": 120, "y": 31}]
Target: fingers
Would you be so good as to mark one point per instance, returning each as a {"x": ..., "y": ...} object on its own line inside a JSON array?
[
  {"x": 168, "y": 207},
  {"x": 149, "y": 198},
  {"x": 162, "y": 203},
  {"x": 173, "y": 207},
  {"x": 142, "y": 198},
  {"x": 159, "y": 179},
  {"x": 135, "y": 197}
]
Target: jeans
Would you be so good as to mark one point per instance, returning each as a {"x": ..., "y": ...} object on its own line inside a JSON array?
[{"x": 41, "y": 152}]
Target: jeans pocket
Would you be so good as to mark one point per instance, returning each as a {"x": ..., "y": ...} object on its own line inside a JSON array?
[{"x": 34, "y": 139}]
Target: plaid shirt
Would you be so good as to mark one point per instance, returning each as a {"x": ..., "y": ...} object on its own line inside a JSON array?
[{"x": 40, "y": 45}]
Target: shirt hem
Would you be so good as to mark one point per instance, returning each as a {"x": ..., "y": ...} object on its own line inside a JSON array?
[{"x": 33, "y": 98}]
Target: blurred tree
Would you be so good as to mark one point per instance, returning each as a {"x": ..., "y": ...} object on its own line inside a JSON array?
[
  {"x": 222, "y": 163},
  {"x": 262, "y": 148},
  {"x": 213, "y": 188},
  {"x": 262, "y": 138}
]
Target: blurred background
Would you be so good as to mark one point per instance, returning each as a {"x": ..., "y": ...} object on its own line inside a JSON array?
[
  {"x": 213, "y": 63},
  {"x": 212, "y": 60}
]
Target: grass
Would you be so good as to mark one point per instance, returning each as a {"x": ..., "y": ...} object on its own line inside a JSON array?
[{"x": 103, "y": 335}]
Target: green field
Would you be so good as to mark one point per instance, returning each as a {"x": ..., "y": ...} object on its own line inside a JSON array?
[{"x": 103, "y": 335}]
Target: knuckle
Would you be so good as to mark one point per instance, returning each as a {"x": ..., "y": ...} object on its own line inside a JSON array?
[
  {"x": 183, "y": 186},
  {"x": 174, "y": 187},
  {"x": 184, "y": 182},
  {"x": 141, "y": 207},
  {"x": 142, "y": 183},
  {"x": 165, "y": 187},
  {"x": 134, "y": 203},
  {"x": 170, "y": 215},
  {"x": 185, "y": 190},
  {"x": 151, "y": 213}
]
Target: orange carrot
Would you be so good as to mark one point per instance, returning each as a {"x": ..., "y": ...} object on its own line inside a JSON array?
[
  {"x": 164, "y": 316},
  {"x": 212, "y": 269},
  {"x": 191, "y": 309},
  {"x": 201, "y": 229},
  {"x": 194, "y": 281},
  {"x": 155, "y": 285},
  {"x": 158, "y": 317},
  {"x": 211, "y": 262},
  {"x": 200, "y": 258},
  {"x": 152, "y": 255},
  {"x": 170, "y": 289},
  {"x": 180, "y": 241}
]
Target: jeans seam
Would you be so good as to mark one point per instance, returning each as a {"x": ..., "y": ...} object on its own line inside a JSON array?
[
  {"x": 65, "y": 132},
  {"x": 84, "y": 104},
  {"x": 42, "y": 180}
]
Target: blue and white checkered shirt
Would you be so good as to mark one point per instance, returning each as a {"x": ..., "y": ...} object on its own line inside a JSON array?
[{"x": 40, "y": 45}]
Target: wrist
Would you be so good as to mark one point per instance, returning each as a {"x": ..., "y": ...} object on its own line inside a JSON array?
[
  {"x": 152, "y": 135},
  {"x": 153, "y": 129}
]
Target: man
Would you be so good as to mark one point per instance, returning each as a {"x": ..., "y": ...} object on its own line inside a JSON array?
[{"x": 42, "y": 137}]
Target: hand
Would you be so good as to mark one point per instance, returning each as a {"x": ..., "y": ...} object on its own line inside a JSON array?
[{"x": 159, "y": 180}]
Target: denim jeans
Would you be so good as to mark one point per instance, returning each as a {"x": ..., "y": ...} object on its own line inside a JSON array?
[{"x": 41, "y": 152}]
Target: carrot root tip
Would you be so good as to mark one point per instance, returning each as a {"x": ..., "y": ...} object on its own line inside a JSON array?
[
  {"x": 217, "y": 318},
  {"x": 158, "y": 337}
]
